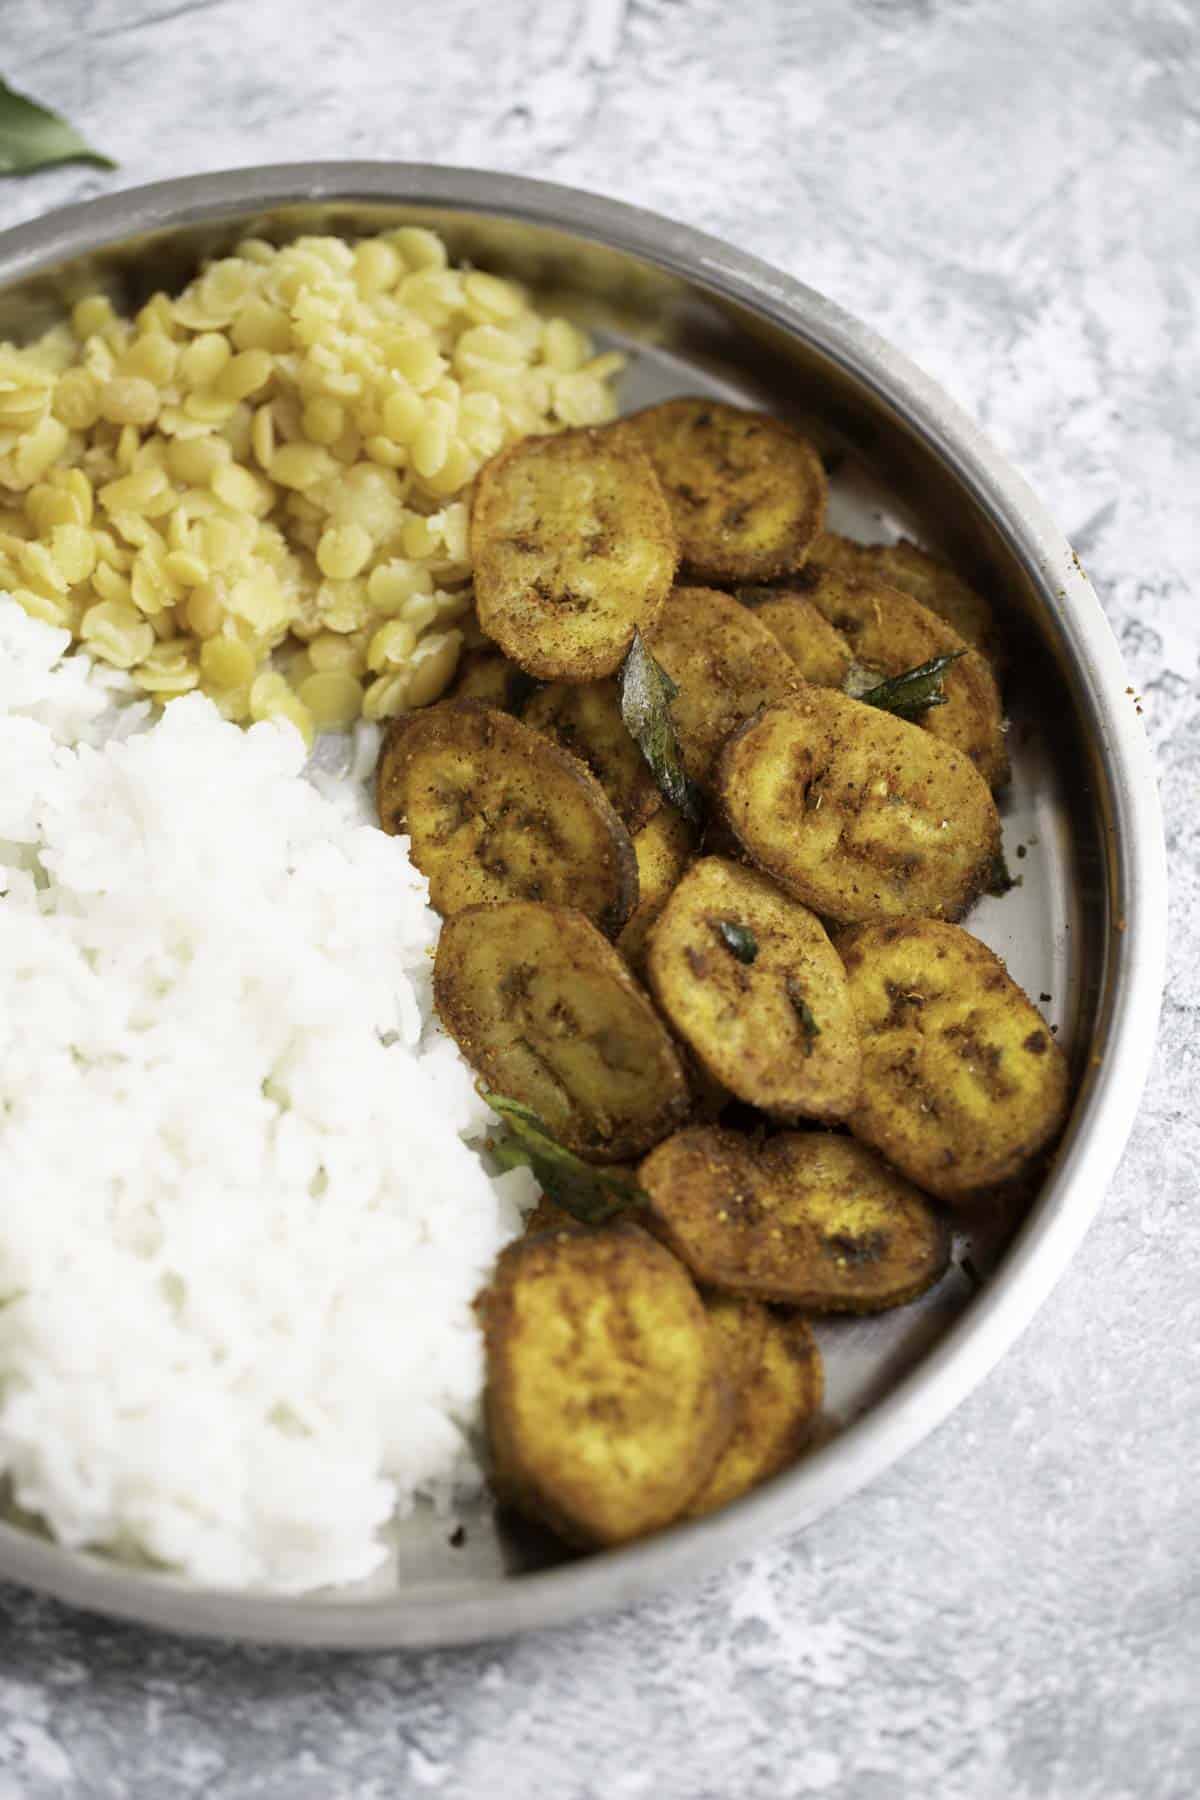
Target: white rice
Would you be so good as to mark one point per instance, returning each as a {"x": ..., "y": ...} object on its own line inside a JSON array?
[{"x": 242, "y": 1222}]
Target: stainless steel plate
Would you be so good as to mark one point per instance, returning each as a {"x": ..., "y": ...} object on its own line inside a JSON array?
[{"x": 1086, "y": 926}]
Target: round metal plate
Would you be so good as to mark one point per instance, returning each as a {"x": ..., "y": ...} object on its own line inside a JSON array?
[{"x": 1085, "y": 930}]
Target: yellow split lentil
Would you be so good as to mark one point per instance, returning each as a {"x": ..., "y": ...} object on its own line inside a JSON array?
[{"x": 261, "y": 486}]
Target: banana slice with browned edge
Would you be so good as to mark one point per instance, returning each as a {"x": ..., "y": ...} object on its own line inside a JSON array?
[
  {"x": 808, "y": 1219},
  {"x": 746, "y": 491},
  {"x": 725, "y": 664},
  {"x": 495, "y": 811},
  {"x": 663, "y": 849},
  {"x": 963, "y": 1082},
  {"x": 585, "y": 718},
  {"x": 573, "y": 549},
  {"x": 606, "y": 1399},
  {"x": 486, "y": 675},
  {"x": 890, "y": 633},
  {"x": 776, "y": 1397},
  {"x": 818, "y": 649},
  {"x": 861, "y": 815},
  {"x": 748, "y": 978},
  {"x": 546, "y": 1011},
  {"x": 927, "y": 578}
]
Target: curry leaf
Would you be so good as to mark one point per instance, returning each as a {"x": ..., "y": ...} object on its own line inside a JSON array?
[
  {"x": 590, "y": 1194},
  {"x": 33, "y": 137},
  {"x": 737, "y": 938},
  {"x": 973, "y": 1277},
  {"x": 914, "y": 692},
  {"x": 646, "y": 695},
  {"x": 804, "y": 1013},
  {"x": 1000, "y": 880}
]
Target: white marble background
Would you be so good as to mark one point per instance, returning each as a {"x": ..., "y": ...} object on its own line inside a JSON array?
[{"x": 1008, "y": 190}]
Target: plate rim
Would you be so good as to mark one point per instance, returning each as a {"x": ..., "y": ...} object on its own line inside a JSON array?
[{"x": 1134, "y": 957}]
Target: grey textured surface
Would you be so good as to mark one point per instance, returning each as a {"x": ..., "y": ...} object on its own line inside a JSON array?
[{"x": 1006, "y": 188}]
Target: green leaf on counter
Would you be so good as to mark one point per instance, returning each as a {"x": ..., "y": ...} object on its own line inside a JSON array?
[
  {"x": 914, "y": 692},
  {"x": 589, "y": 1194},
  {"x": 33, "y": 137},
  {"x": 646, "y": 695}
]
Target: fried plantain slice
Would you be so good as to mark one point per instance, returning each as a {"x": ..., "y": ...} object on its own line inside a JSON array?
[
  {"x": 848, "y": 631},
  {"x": 747, "y": 977},
  {"x": 496, "y": 811},
  {"x": 606, "y": 1400},
  {"x": 859, "y": 814},
  {"x": 663, "y": 849},
  {"x": 889, "y": 633},
  {"x": 774, "y": 1407},
  {"x": 818, "y": 649},
  {"x": 963, "y": 1082},
  {"x": 926, "y": 578},
  {"x": 808, "y": 1218},
  {"x": 486, "y": 675},
  {"x": 741, "y": 1328},
  {"x": 546, "y": 1011},
  {"x": 585, "y": 718},
  {"x": 746, "y": 492},
  {"x": 709, "y": 1097},
  {"x": 725, "y": 664},
  {"x": 548, "y": 1215},
  {"x": 573, "y": 546}
]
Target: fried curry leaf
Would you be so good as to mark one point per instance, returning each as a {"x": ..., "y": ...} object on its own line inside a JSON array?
[
  {"x": 32, "y": 137},
  {"x": 1000, "y": 879},
  {"x": 737, "y": 938},
  {"x": 646, "y": 695},
  {"x": 589, "y": 1194},
  {"x": 914, "y": 692},
  {"x": 804, "y": 1013},
  {"x": 971, "y": 1273}
]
